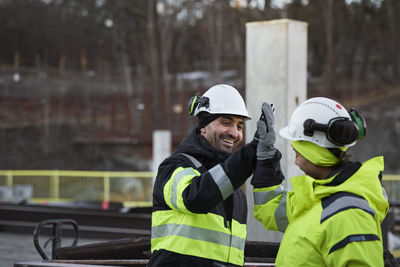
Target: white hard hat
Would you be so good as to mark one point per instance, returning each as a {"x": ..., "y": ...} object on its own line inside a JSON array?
[
  {"x": 322, "y": 121},
  {"x": 219, "y": 99}
]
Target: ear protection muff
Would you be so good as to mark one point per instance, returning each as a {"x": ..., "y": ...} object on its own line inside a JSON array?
[
  {"x": 197, "y": 101},
  {"x": 340, "y": 131},
  {"x": 360, "y": 121}
]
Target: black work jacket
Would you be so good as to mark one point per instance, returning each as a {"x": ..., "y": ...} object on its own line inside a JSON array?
[{"x": 205, "y": 196}]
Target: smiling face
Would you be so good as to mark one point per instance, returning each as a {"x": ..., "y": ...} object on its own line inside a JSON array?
[{"x": 224, "y": 133}]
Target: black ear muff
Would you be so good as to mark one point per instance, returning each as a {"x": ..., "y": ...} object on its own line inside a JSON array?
[
  {"x": 197, "y": 101},
  {"x": 360, "y": 121},
  {"x": 340, "y": 131}
]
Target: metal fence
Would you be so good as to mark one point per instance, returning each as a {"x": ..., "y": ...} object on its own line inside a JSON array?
[
  {"x": 131, "y": 188},
  {"x": 391, "y": 183}
]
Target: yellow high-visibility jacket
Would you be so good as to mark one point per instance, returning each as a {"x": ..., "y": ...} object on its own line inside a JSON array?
[
  {"x": 199, "y": 212},
  {"x": 333, "y": 222}
]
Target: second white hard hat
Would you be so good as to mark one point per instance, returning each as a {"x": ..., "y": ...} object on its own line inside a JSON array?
[{"x": 322, "y": 121}]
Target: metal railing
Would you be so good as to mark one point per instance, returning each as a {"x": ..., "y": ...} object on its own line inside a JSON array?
[
  {"x": 130, "y": 188},
  {"x": 391, "y": 183}
]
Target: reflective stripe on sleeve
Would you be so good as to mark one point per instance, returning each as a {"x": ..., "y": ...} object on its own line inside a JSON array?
[
  {"x": 281, "y": 215},
  {"x": 345, "y": 203},
  {"x": 195, "y": 162},
  {"x": 198, "y": 234},
  {"x": 222, "y": 181},
  {"x": 263, "y": 197},
  {"x": 384, "y": 193},
  {"x": 353, "y": 238},
  {"x": 176, "y": 179}
]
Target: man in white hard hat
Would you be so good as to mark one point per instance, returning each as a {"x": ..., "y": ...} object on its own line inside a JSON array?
[
  {"x": 199, "y": 212},
  {"x": 333, "y": 215}
]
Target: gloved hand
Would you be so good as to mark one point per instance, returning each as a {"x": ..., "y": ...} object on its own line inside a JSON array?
[{"x": 265, "y": 133}]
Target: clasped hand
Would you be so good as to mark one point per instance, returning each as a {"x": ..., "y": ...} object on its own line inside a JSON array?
[{"x": 265, "y": 133}]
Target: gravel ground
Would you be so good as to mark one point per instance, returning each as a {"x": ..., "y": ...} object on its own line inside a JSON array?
[{"x": 16, "y": 247}]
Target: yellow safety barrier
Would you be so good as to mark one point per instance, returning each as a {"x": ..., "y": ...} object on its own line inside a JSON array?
[
  {"x": 129, "y": 188},
  {"x": 391, "y": 177}
]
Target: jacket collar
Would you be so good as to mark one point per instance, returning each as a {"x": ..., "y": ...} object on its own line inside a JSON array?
[
  {"x": 344, "y": 173},
  {"x": 197, "y": 146}
]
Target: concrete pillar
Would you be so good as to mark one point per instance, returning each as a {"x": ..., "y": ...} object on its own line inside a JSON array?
[
  {"x": 161, "y": 147},
  {"x": 276, "y": 72}
]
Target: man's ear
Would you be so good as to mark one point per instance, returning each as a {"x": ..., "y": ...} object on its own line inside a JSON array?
[{"x": 203, "y": 130}]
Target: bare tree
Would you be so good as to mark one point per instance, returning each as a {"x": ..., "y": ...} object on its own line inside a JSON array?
[{"x": 329, "y": 65}]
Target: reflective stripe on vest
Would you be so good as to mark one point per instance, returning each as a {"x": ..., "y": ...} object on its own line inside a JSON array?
[
  {"x": 342, "y": 203},
  {"x": 263, "y": 197},
  {"x": 222, "y": 180},
  {"x": 197, "y": 234},
  {"x": 218, "y": 174},
  {"x": 195, "y": 162},
  {"x": 173, "y": 189},
  {"x": 200, "y": 235}
]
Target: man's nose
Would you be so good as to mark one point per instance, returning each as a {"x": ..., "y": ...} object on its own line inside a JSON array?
[{"x": 234, "y": 132}]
